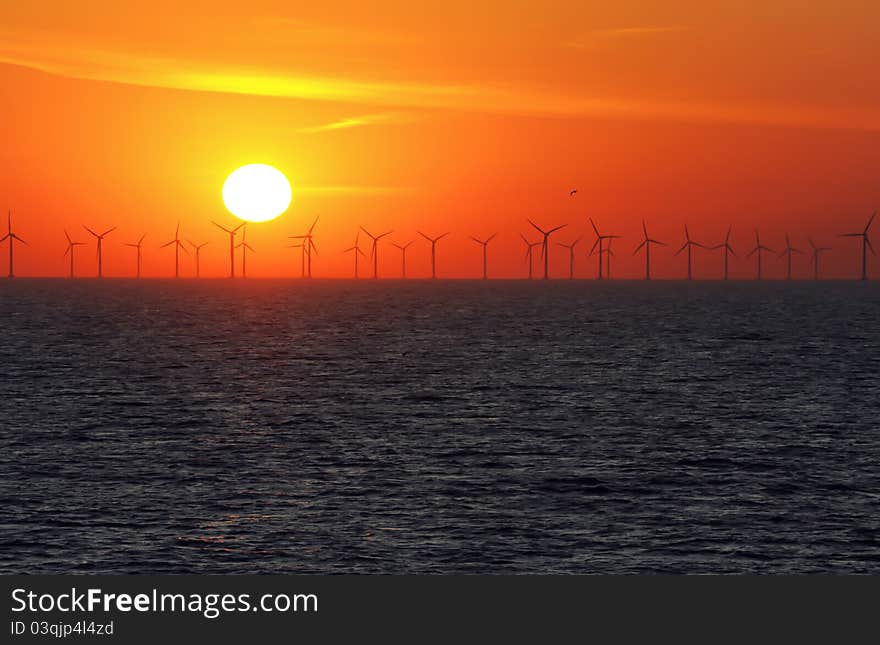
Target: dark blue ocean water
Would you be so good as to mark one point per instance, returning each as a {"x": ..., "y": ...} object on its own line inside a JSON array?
[{"x": 448, "y": 427}]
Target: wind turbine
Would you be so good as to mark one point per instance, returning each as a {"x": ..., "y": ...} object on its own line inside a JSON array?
[
  {"x": 433, "y": 242},
  {"x": 866, "y": 244},
  {"x": 356, "y": 249},
  {"x": 484, "y": 244},
  {"x": 374, "y": 250},
  {"x": 529, "y": 247},
  {"x": 403, "y": 248},
  {"x": 138, "y": 247},
  {"x": 570, "y": 248},
  {"x": 245, "y": 247},
  {"x": 100, "y": 239},
  {"x": 71, "y": 245},
  {"x": 608, "y": 255},
  {"x": 817, "y": 250},
  {"x": 178, "y": 245},
  {"x": 646, "y": 243},
  {"x": 198, "y": 249},
  {"x": 545, "y": 248},
  {"x": 728, "y": 251},
  {"x": 308, "y": 246},
  {"x": 689, "y": 244},
  {"x": 600, "y": 239},
  {"x": 789, "y": 249},
  {"x": 13, "y": 238},
  {"x": 758, "y": 249},
  {"x": 232, "y": 232}
]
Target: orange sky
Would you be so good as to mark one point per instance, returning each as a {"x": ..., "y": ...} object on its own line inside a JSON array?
[{"x": 458, "y": 116}]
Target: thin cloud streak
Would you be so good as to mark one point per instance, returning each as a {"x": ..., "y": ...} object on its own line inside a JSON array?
[{"x": 356, "y": 121}]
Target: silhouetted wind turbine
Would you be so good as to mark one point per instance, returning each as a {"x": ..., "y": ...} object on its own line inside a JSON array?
[
  {"x": 245, "y": 247},
  {"x": 198, "y": 249},
  {"x": 529, "y": 247},
  {"x": 232, "y": 233},
  {"x": 728, "y": 250},
  {"x": 178, "y": 246},
  {"x": 759, "y": 248},
  {"x": 308, "y": 246},
  {"x": 646, "y": 243},
  {"x": 484, "y": 244},
  {"x": 866, "y": 244},
  {"x": 100, "y": 239},
  {"x": 138, "y": 247},
  {"x": 817, "y": 250},
  {"x": 356, "y": 249},
  {"x": 545, "y": 245},
  {"x": 433, "y": 242},
  {"x": 600, "y": 239},
  {"x": 689, "y": 244},
  {"x": 374, "y": 249},
  {"x": 403, "y": 248},
  {"x": 789, "y": 249},
  {"x": 71, "y": 245},
  {"x": 570, "y": 248},
  {"x": 13, "y": 238}
]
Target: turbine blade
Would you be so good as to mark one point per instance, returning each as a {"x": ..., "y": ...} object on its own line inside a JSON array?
[
  {"x": 553, "y": 230},
  {"x": 536, "y": 226},
  {"x": 683, "y": 247},
  {"x": 108, "y": 231},
  {"x": 90, "y": 231},
  {"x": 491, "y": 237},
  {"x": 593, "y": 224},
  {"x": 870, "y": 221},
  {"x": 67, "y": 236},
  {"x": 870, "y": 246},
  {"x": 645, "y": 229},
  {"x": 222, "y": 227},
  {"x": 639, "y": 247}
]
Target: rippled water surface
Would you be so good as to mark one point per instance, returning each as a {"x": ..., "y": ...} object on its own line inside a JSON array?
[{"x": 446, "y": 427}]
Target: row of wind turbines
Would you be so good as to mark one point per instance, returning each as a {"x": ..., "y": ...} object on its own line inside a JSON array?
[{"x": 601, "y": 248}]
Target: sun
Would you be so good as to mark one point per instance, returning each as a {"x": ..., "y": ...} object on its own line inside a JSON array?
[{"x": 256, "y": 193}]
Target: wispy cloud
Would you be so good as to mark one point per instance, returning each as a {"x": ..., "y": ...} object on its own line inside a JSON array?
[
  {"x": 358, "y": 121},
  {"x": 182, "y": 74}
]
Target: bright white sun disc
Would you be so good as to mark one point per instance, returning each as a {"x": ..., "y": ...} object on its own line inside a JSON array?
[{"x": 256, "y": 193}]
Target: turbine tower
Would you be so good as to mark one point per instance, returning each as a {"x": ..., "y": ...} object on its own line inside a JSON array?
[
  {"x": 71, "y": 245},
  {"x": 178, "y": 246},
  {"x": 570, "y": 248},
  {"x": 817, "y": 250},
  {"x": 232, "y": 232},
  {"x": 433, "y": 242},
  {"x": 759, "y": 248},
  {"x": 545, "y": 245},
  {"x": 789, "y": 249},
  {"x": 484, "y": 244},
  {"x": 308, "y": 246},
  {"x": 866, "y": 244},
  {"x": 689, "y": 244},
  {"x": 245, "y": 247},
  {"x": 403, "y": 248},
  {"x": 728, "y": 251},
  {"x": 529, "y": 254},
  {"x": 198, "y": 250},
  {"x": 138, "y": 247},
  {"x": 13, "y": 238},
  {"x": 374, "y": 250},
  {"x": 646, "y": 243},
  {"x": 100, "y": 239},
  {"x": 356, "y": 249},
  {"x": 600, "y": 240}
]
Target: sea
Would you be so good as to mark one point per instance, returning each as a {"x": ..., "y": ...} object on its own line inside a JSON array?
[{"x": 439, "y": 427}]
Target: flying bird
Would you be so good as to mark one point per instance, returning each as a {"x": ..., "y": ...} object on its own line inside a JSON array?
[{"x": 572, "y": 193}]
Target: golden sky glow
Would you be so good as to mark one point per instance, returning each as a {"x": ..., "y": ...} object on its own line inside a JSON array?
[{"x": 460, "y": 115}]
